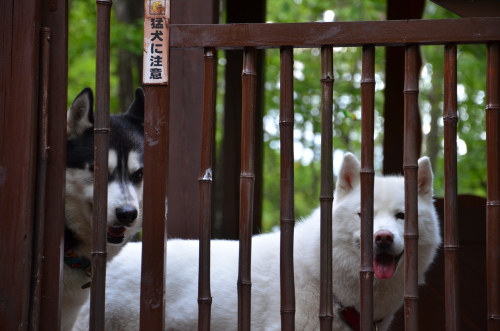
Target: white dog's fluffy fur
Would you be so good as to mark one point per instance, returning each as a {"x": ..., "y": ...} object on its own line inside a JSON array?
[{"x": 123, "y": 281}]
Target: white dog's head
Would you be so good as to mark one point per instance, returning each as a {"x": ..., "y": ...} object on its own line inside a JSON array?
[{"x": 388, "y": 216}]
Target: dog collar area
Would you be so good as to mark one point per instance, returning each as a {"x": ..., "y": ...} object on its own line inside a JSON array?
[
  {"x": 73, "y": 261},
  {"x": 351, "y": 317}
]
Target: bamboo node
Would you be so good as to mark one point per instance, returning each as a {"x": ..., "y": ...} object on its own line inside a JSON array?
[
  {"x": 205, "y": 300},
  {"x": 104, "y": 253},
  {"x": 102, "y": 130},
  {"x": 492, "y": 107},
  {"x": 288, "y": 311}
]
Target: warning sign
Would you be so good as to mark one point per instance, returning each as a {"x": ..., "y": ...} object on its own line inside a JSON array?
[{"x": 156, "y": 41}]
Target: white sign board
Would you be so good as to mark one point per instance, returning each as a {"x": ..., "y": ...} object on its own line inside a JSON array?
[{"x": 156, "y": 41}]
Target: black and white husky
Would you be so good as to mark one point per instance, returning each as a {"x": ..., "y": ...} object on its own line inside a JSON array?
[{"x": 124, "y": 216}]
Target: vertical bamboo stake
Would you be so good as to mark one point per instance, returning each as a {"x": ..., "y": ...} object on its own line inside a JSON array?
[
  {"x": 155, "y": 199},
  {"x": 367, "y": 182},
  {"x": 451, "y": 240},
  {"x": 410, "y": 166},
  {"x": 493, "y": 198},
  {"x": 287, "y": 217},
  {"x": 205, "y": 182},
  {"x": 247, "y": 179},
  {"x": 41, "y": 176},
  {"x": 101, "y": 146},
  {"x": 326, "y": 195}
]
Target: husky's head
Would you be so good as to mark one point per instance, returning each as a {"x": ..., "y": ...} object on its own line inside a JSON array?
[
  {"x": 388, "y": 217},
  {"x": 125, "y": 171}
]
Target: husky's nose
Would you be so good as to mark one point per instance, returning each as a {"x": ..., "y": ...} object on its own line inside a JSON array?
[
  {"x": 126, "y": 215},
  {"x": 384, "y": 238}
]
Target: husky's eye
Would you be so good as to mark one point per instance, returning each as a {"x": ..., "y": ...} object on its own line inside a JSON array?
[
  {"x": 400, "y": 216},
  {"x": 136, "y": 177},
  {"x": 359, "y": 214}
]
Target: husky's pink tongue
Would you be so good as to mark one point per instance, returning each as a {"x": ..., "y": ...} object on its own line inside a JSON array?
[{"x": 384, "y": 265}]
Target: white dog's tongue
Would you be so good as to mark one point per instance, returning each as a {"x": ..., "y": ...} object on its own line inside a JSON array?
[{"x": 384, "y": 265}]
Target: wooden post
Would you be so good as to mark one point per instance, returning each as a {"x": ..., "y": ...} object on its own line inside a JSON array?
[{"x": 155, "y": 200}]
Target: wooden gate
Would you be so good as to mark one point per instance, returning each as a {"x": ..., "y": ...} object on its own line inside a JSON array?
[{"x": 368, "y": 35}]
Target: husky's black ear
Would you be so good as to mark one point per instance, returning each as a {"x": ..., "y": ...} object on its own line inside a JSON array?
[
  {"x": 348, "y": 177},
  {"x": 136, "y": 109},
  {"x": 425, "y": 178},
  {"x": 80, "y": 113}
]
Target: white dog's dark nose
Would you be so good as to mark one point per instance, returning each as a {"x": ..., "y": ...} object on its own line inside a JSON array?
[
  {"x": 126, "y": 215},
  {"x": 384, "y": 238}
]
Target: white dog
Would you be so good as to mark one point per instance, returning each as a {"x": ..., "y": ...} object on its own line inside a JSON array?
[{"x": 123, "y": 282}]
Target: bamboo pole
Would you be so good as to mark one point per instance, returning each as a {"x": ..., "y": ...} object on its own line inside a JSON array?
[
  {"x": 287, "y": 216},
  {"x": 101, "y": 146},
  {"x": 247, "y": 180},
  {"x": 205, "y": 183},
  {"x": 367, "y": 181},
  {"x": 410, "y": 167},
  {"x": 493, "y": 190},
  {"x": 451, "y": 240},
  {"x": 326, "y": 194}
]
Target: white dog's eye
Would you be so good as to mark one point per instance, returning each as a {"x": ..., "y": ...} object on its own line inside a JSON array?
[
  {"x": 400, "y": 216},
  {"x": 359, "y": 214}
]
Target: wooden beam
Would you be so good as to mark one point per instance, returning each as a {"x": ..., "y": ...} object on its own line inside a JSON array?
[{"x": 376, "y": 33}]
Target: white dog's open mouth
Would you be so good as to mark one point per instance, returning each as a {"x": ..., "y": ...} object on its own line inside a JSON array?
[
  {"x": 116, "y": 234},
  {"x": 384, "y": 264}
]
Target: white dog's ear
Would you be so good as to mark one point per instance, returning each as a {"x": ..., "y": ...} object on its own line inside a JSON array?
[
  {"x": 425, "y": 178},
  {"x": 80, "y": 114},
  {"x": 348, "y": 177}
]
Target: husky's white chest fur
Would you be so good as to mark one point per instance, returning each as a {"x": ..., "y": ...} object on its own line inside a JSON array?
[
  {"x": 123, "y": 281},
  {"x": 124, "y": 210}
]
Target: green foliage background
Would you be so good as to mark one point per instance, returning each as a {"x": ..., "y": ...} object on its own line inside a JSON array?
[
  {"x": 347, "y": 101},
  {"x": 347, "y": 105},
  {"x": 82, "y": 48}
]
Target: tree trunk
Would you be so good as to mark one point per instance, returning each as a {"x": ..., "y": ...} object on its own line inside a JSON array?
[
  {"x": 128, "y": 11},
  {"x": 434, "y": 96}
]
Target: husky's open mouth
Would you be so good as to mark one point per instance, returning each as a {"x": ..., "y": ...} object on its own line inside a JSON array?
[
  {"x": 385, "y": 264},
  {"x": 116, "y": 234}
]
